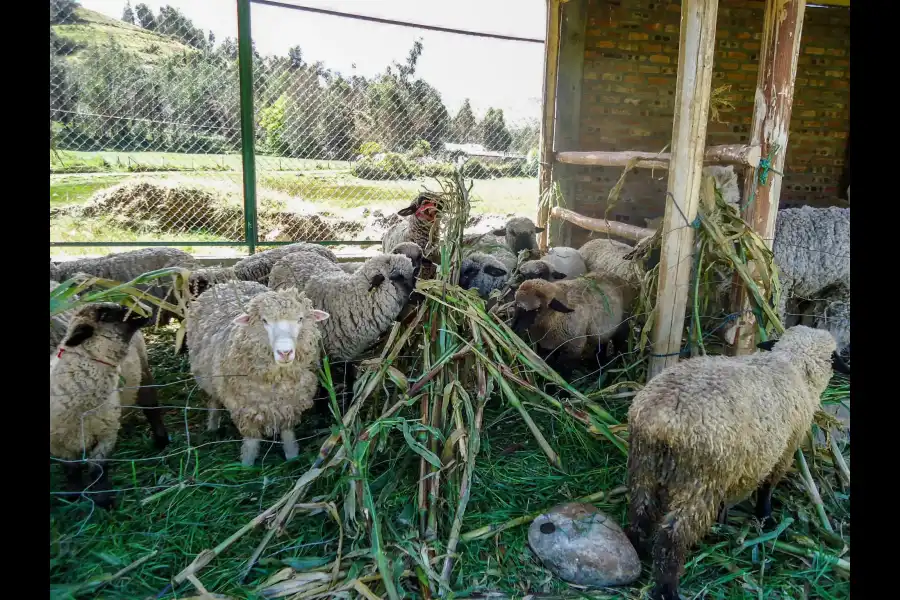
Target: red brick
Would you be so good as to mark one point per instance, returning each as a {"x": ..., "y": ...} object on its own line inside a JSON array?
[
  {"x": 730, "y": 66},
  {"x": 738, "y": 55},
  {"x": 604, "y": 44},
  {"x": 638, "y": 36},
  {"x": 813, "y": 50},
  {"x": 633, "y": 79},
  {"x": 648, "y": 69},
  {"x": 661, "y": 81},
  {"x": 734, "y": 77},
  {"x": 660, "y": 59}
]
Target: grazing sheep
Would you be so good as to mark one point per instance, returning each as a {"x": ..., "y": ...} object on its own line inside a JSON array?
[
  {"x": 706, "y": 432},
  {"x": 100, "y": 367},
  {"x": 255, "y": 351},
  {"x": 566, "y": 260},
  {"x": 519, "y": 234},
  {"x": 410, "y": 249},
  {"x": 253, "y": 268},
  {"x": 483, "y": 273},
  {"x": 539, "y": 269},
  {"x": 573, "y": 315},
  {"x": 421, "y": 225},
  {"x": 126, "y": 266},
  {"x": 833, "y": 315},
  {"x": 362, "y": 305},
  {"x": 491, "y": 245},
  {"x": 603, "y": 255}
]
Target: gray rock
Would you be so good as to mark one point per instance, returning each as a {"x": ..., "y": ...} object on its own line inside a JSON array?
[{"x": 584, "y": 546}]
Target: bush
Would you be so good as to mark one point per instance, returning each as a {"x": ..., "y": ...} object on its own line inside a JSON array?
[
  {"x": 436, "y": 169},
  {"x": 369, "y": 149},
  {"x": 532, "y": 164},
  {"x": 390, "y": 166},
  {"x": 420, "y": 149}
]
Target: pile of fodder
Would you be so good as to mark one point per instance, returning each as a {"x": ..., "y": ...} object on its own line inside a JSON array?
[{"x": 178, "y": 206}]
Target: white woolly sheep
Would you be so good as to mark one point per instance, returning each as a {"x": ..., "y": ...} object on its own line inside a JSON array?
[
  {"x": 483, "y": 273},
  {"x": 362, "y": 305},
  {"x": 603, "y": 255},
  {"x": 125, "y": 266},
  {"x": 567, "y": 261},
  {"x": 253, "y": 268},
  {"x": 421, "y": 226},
  {"x": 409, "y": 249},
  {"x": 491, "y": 245},
  {"x": 100, "y": 367},
  {"x": 255, "y": 351},
  {"x": 519, "y": 234},
  {"x": 573, "y": 315},
  {"x": 538, "y": 269},
  {"x": 706, "y": 432}
]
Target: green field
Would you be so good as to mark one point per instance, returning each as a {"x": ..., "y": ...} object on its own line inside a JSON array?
[{"x": 70, "y": 161}]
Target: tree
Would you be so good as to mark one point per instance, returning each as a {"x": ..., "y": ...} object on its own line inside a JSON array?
[
  {"x": 145, "y": 17},
  {"x": 464, "y": 124},
  {"x": 494, "y": 135},
  {"x": 128, "y": 14},
  {"x": 295, "y": 54},
  {"x": 62, "y": 11}
]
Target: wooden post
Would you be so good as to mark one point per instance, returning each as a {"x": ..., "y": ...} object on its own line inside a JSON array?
[
  {"x": 782, "y": 27},
  {"x": 692, "y": 92},
  {"x": 548, "y": 104},
  {"x": 624, "y": 230},
  {"x": 744, "y": 156},
  {"x": 573, "y": 19}
]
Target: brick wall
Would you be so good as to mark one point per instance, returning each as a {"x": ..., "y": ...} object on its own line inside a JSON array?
[{"x": 628, "y": 87}]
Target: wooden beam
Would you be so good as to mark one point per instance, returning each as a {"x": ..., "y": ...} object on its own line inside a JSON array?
[
  {"x": 782, "y": 28},
  {"x": 548, "y": 106},
  {"x": 845, "y": 3},
  {"x": 624, "y": 230},
  {"x": 741, "y": 155},
  {"x": 696, "y": 49},
  {"x": 573, "y": 21}
]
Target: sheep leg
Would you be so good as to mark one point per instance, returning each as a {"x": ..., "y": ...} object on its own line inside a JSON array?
[
  {"x": 690, "y": 516},
  {"x": 249, "y": 451},
  {"x": 764, "y": 502},
  {"x": 214, "y": 416},
  {"x": 289, "y": 441},
  {"x": 722, "y": 518},
  {"x": 764, "y": 492},
  {"x": 149, "y": 403},
  {"x": 73, "y": 472},
  {"x": 98, "y": 472},
  {"x": 644, "y": 510}
]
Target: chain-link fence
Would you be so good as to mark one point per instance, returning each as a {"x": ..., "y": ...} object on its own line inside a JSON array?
[{"x": 146, "y": 146}]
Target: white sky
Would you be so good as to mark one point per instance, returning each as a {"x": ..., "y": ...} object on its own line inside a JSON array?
[{"x": 496, "y": 73}]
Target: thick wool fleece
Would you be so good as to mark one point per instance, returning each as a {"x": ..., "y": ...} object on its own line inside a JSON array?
[
  {"x": 604, "y": 255},
  {"x": 363, "y": 305},
  {"x": 234, "y": 364},
  {"x": 598, "y": 300},
  {"x": 295, "y": 270},
  {"x": 90, "y": 383},
  {"x": 710, "y": 430},
  {"x": 491, "y": 245},
  {"x": 474, "y": 277}
]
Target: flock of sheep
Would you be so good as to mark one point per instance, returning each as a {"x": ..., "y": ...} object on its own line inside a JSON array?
[{"x": 703, "y": 434}]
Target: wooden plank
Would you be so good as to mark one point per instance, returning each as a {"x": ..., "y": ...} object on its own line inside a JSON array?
[
  {"x": 568, "y": 109},
  {"x": 624, "y": 230},
  {"x": 692, "y": 92},
  {"x": 736, "y": 154},
  {"x": 548, "y": 106},
  {"x": 782, "y": 28}
]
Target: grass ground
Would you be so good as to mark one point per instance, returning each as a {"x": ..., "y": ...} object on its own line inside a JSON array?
[
  {"x": 110, "y": 161},
  {"x": 195, "y": 495}
]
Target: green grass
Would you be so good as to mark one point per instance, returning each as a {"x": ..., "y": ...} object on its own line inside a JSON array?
[
  {"x": 76, "y": 161},
  {"x": 195, "y": 494},
  {"x": 78, "y": 189}
]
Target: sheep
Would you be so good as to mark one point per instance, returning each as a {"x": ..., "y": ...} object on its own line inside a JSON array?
[
  {"x": 566, "y": 260},
  {"x": 255, "y": 352},
  {"x": 421, "y": 226},
  {"x": 483, "y": 273},
  {"x": 362, "y": 304},
  {"x": 252, "y": 268},
  {"x": 54, "y": 272},
  {"x": 126, "y": 266},
  {"x": 706, "y": 432},
  {"x": 574, "y": 315},
  {"x": 100, "y": 367},
  {"x": 539, "y": 269},
  {"x": 519, "y": 234},
  {"x": 603, "y": 255},
  {"x": 410, "y": 249},
  {"x": 491, "y": 245}
]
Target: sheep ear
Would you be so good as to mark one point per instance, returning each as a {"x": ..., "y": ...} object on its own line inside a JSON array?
[
  {"x": 523, "y": 319},
  {"x": 839, "y": 365},
  {"x": 559, "y": 306},
  {"x": 79, "y": 334},
  {"x": 241, "y": 319},
  {"x": 499, "y": 232},
  {"x": 376, "y": 281},
  {"x": 494, "y": 271},
  {"x": 405, "y": 212},
  {"x": 557, "y": 275},
  {"x": 539, "y": 230},
  {"x": 319, "y": 315},
  {"x": 767, "y": 345}
]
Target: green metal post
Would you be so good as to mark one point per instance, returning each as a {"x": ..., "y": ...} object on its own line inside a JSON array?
[{"x": 248, "y": 153}]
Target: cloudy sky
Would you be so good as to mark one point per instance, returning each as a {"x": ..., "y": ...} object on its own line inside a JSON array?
[{"x": 489, "y": 72}]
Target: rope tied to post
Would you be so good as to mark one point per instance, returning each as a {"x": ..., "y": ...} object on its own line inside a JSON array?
[{"x": 762, "y": 173}]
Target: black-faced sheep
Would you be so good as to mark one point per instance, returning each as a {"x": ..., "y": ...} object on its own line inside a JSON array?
[
  {"x": 573, "y": 316},
  {"x": 409, "y": 249},
  {"x": 519, "y": 233},
  {"x": 421, "y": 226},
  {"x": 707, "y": 432},
  {"x": 255, "y": 351},
  {"x": 126, "y": 266},
  {"x": 490, "y": 245},
  {"x": 362, "y": 305},
  {"x": 483, "y": 273},
  {"x": 100, "y": 367}
]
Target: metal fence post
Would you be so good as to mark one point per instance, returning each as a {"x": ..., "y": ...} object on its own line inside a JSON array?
[{"x": 245, "y": 65}]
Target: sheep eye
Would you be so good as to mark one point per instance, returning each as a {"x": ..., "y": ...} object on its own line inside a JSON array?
[{"x": 265, "y": 321}]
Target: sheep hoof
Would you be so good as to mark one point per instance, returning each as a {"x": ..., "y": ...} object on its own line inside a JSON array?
[
  {"x": 664, "y": 592},
  {"x": 105, "y": 500},
  {"x": 160, "y": 441},
  {"x": 722, "y": 517}
]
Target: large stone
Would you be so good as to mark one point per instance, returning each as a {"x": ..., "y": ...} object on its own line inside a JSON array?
[{"x": 584, "y": 546}]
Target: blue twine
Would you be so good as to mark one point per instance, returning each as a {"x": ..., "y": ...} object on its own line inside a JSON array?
[{"x": 762, "y": 174}]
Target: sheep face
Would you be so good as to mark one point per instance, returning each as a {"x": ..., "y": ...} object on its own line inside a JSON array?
[
  {"x": 281, "y": 315},
  {"x": 389, "y": 275},
  {"x": 532, "y": 297},
  {"x": 539, "y": 269},
  {"x": 426, "y": 207},
  {"x": 479, "y": 272},
  {"x": 414, "y": 252},
  {"x": 520, "y": 234},
  {"x": 815, "y": 343},
  {"x": 104, "y": 329}
]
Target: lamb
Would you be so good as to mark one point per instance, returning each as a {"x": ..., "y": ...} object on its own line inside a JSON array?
[
  {"x": 363, "y": 305},
  {"x": 604, "y": 255},
  {"x": 708, "y": 431},
  {"x": 100, "y": 367},
  {"x": 410, "y": 249},
  {"x": 420, "y": 226},
  {"x": 483, "y": 273},
  {"x": 573, "y": 315},
  {"x": 126, "y": 266},
  {"x": 520, "y": 234},
  {"x": 491, "y": 245},
  {"x": 253, "y": 268},
  {"x": 255, "y": 351}
]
